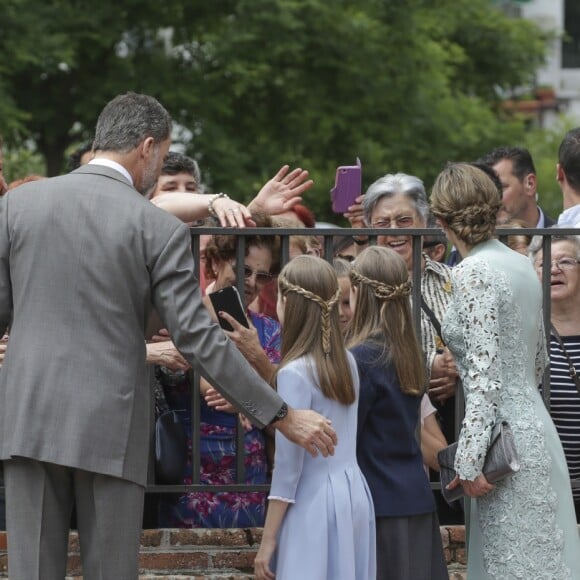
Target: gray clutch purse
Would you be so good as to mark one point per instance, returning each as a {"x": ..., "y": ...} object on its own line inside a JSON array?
[{"x": 501, "y": 461}]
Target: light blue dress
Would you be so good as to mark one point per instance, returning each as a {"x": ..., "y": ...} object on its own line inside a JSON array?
[
  {"x": 328, "y": 532},
  {"x": 525, "y": 528}
]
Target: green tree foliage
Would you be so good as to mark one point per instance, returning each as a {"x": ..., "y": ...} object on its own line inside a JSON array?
[{"x": 405, "y": 86}]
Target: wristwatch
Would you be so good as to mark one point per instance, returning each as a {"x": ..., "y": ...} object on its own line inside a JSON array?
[{"x": 280, "y": 414}]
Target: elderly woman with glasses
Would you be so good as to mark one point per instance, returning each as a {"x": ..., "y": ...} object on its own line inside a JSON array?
[
  {"x": 260, "y": 344},
  {"x": 398, "y": 201},
  {"x": 564, "y": 270}
]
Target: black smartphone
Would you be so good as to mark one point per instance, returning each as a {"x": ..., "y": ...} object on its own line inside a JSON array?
[{"x": 228, "y": 300}]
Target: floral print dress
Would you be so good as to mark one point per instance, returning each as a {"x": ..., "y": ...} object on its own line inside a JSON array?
[{"x": 218, "y": 454}]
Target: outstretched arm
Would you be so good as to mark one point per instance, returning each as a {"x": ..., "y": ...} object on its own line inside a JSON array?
[{"x": 189, "y": 207}]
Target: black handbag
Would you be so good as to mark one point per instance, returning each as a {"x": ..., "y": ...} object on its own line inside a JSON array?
[
  {"x": 501, "y": 461},
  {"x": 170, "y": 442}
]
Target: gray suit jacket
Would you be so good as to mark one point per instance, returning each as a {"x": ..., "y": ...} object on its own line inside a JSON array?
[{"x": 83, "y": 258}]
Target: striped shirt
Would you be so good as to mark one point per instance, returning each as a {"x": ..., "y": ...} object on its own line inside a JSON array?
[
  {"x": 565, "y": 401},
  {"x": 436, "y": 290}
]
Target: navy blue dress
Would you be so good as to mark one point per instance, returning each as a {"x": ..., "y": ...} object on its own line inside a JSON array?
[{"x": 408, "y": 538}]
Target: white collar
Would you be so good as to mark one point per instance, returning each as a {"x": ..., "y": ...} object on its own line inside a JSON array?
[{"x": 113, "y": 165}]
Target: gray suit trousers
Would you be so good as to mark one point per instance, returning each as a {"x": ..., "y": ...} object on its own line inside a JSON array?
[{"x": 39, "y": 505}]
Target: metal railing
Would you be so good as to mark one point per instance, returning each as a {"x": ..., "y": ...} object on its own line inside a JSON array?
[{"x": 327, "y": 249}]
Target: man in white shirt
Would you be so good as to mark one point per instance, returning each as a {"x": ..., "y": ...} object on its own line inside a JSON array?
[{"x": 568, "y": 177}]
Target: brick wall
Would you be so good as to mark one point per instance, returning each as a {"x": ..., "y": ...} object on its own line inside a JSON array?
[{"x": 218, "y": 554}]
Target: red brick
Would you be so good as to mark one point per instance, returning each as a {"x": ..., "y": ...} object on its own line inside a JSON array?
[
  {"x": 209, "y": 537},
  {"x": 173, "y": 560},
  {"x": 456, "y": 534},
  {"x": 240, "y": 560},
  {"x": 151, "y": 538}
]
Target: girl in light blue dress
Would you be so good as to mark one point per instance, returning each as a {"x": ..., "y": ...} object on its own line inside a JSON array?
[{"x": 320, "y": 523}]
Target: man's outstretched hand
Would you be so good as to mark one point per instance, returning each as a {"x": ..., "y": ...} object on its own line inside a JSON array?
[{"x": 309, "y": 430}]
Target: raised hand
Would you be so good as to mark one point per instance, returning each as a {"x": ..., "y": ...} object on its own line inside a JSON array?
[{"x": 282, "y": 192}]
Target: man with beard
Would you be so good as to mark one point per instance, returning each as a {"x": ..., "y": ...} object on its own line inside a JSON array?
[{"x": 84, "y": 257}]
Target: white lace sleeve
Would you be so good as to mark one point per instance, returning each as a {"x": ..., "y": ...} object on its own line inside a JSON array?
[
  {"x": 542, "y": 359},
  {"x": 476, "y": 299}
]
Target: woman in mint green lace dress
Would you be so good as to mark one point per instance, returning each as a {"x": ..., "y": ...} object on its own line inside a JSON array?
[{"x": 523, "y": 527}]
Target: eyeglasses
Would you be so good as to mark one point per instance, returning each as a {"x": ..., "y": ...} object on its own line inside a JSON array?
[
  {"x": 261, "y": 277},
  {"x": 561, "y": 264},
  {"x": 402, "y": 221}
]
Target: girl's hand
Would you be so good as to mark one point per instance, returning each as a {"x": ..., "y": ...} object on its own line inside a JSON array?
[{"x": 262, "y": 562}]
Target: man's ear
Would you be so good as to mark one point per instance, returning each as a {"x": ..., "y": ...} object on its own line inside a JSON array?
[
  {"x": 147, "y": 146},
  {"x": 530, "y": 184},
  {"x": 560, "y": 175}
]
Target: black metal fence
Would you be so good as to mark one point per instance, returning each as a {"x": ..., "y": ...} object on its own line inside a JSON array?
[{"x": 327, "y": 234}]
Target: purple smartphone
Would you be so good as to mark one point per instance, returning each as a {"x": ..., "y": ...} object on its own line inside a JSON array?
[{"x": 347, "y": 187}]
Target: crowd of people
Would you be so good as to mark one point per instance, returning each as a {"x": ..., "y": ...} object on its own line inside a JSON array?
[{"x": 327, "y": 382}]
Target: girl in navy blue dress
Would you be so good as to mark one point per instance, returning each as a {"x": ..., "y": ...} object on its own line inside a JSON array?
[{"x": 390, "y": 364}]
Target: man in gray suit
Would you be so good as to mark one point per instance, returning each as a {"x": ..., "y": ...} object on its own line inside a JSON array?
[{"x": 83, "y": 259}]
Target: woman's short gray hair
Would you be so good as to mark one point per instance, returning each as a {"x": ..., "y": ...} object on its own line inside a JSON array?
[
  {"x": 535, "y": 246},
  {"x": 394, "y": 184}
]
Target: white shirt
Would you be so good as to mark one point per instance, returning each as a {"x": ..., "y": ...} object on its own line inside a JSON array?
[
  {"x": 113, "y": 165},
  {"x": 570, "y": 217}
]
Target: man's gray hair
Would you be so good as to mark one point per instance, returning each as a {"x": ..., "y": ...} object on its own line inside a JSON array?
[
  {"x": 129, "y": 119},
  {"x": 394, "y": 184}
]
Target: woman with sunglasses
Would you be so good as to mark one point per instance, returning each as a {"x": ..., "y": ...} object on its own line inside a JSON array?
[{"x": 260, "y": 344}]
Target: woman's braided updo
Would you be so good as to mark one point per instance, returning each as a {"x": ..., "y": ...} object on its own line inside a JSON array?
[{"x": 467, "y": 200}]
